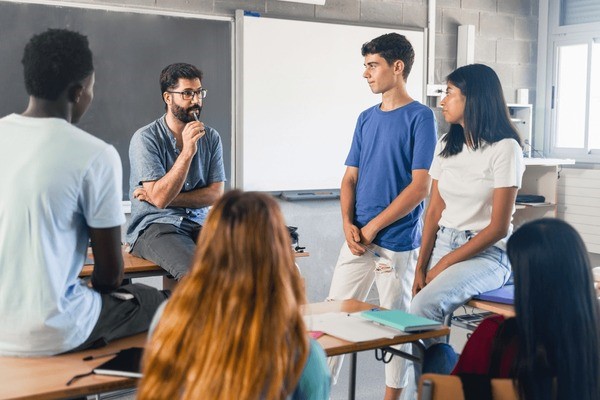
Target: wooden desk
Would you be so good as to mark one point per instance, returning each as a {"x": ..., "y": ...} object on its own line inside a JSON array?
[
  {"x": 334, "y": 346},
  {"x": 136, "y": 267},
  {"x": 46, "y": 378},
  {"x": 301, "y": 254},
  {"x": 507, "y": 310}
]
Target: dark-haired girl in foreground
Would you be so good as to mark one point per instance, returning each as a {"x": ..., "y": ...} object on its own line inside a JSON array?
[{"x": 552, "y": 346}]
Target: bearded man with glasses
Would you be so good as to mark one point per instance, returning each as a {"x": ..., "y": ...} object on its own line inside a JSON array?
[{"x": 177, "y": 173}]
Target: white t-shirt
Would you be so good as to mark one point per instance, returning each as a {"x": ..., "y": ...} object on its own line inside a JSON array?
[
  {"x": 55, "y": 181},
  {"x": 466, "y": 182}
]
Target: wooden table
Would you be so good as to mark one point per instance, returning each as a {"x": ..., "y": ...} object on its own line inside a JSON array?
[
  {"x": 46, "y": 378},
  {"x": 506, "y": 310},
  {"x": 334, "y": 346},
  {"x": 136, "y": 267}
]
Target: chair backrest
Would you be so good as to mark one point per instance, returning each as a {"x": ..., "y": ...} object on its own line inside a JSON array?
[{"x": 449, "y": 387}]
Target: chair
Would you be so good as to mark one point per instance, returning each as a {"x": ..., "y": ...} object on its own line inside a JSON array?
[{"x": 449, "y": 387}]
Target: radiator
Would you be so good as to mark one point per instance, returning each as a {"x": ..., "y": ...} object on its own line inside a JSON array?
[{"x": 579, "y": 203}]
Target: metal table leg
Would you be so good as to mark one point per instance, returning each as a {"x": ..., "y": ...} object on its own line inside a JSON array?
[
  {"x": 417, "y": 356},
  {"x": 352, "y": 383}
]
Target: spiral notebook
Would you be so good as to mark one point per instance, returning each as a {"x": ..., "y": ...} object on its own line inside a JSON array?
[{"x": 126, "y": 363}]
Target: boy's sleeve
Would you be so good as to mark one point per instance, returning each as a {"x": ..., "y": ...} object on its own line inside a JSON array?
[
  {"x": 425, "y": 139},
  {"x": 102, "y": 193},
  {"x": 353, "y": 159}
]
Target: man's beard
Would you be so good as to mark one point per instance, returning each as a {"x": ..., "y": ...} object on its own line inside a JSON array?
[{"x": 184, "y": 114}]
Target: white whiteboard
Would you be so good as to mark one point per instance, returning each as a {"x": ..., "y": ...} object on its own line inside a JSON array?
[{"x": 299, "y": 91}]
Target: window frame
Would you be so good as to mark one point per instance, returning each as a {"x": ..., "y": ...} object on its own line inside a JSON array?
[{"x": 551, "y": 36}]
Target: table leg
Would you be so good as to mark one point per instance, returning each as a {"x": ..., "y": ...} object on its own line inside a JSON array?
[
  {"x": 352, "y": 383},
  {"x": 418, "y": 349},
  {"x": 417, "y": 357}
]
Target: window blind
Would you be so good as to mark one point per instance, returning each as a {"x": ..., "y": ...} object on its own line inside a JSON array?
[{"x": 573, "y": 12}]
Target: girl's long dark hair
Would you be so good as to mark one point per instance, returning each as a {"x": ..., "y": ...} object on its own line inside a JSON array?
[
  {"x": 486, "y": 116},
  {"x": 557, "y": 313}
]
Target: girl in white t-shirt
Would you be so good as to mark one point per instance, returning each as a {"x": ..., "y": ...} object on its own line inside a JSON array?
[{"x": 476, "y": 171}]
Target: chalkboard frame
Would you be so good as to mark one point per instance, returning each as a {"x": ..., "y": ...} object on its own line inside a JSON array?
[{"x": 127, "y": 92}]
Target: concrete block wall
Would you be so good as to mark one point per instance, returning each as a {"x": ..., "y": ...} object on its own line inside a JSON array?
[
  {"x": 506, "y": 39},
  {"x": 506, "y": 30},
  {"x": 506, "y": 33}
]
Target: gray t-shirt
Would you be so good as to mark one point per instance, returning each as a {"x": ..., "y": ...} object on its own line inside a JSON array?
[{"x": 152, "y": 153}]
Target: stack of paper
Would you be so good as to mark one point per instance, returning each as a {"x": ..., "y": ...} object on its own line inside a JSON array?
[{"x": 350, "y": 327}]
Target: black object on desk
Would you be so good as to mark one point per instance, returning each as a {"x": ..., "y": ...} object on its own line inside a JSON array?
[
  {"x": 126, "y": 363},
  {"x": 530, "y": 198}
]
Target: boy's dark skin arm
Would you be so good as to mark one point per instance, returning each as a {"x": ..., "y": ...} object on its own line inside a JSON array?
[{"x": 108, "y": 258}]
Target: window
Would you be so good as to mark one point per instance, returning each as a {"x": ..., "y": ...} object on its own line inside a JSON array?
[
  {"x": 594, "y": 120},
  {"x": 573, "y": 73},
  {"x": 569, "y": 103}
]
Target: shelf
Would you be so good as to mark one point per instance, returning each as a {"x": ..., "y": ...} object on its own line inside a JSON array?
[
  {"x": 548, "y": 161},
  {"x": 540, "y": 178},
  {"x": 521, "y": 206},
  {"x": 513, "y": 105},
  {"x": 521, "y": 116}
]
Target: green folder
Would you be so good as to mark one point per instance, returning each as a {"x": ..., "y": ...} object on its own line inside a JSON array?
[{"x": 401, "y": 320}]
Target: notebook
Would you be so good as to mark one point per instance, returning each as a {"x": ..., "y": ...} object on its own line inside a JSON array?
[
  {"x": 126, "y": 363},
  {"x": 401, "y": 320},
  {"x": 504, "y": 295}
]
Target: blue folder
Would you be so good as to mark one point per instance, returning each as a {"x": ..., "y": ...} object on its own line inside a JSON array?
[
  {"x": 401, "y": 320},
  {"x": 504, "y": 295}
]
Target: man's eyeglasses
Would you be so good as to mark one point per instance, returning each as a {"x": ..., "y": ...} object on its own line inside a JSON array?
[{"x": 189, "y": 94}]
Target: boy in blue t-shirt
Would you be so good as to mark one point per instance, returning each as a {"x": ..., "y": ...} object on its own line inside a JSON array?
[{"x": 383, "y": 189}]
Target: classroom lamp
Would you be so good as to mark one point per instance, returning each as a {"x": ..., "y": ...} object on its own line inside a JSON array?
[{"x": 317, "y": 2}]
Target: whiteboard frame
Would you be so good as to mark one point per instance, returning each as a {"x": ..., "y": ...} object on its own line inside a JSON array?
[{"x": 239, "y": 179}]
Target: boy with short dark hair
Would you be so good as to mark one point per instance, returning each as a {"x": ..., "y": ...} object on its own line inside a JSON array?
[
  {"x": 59, "y": 188},
  {"x": 383, "y": 189}
]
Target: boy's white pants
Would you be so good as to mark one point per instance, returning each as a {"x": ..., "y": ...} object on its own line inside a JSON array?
[{"x": 353, "y": 278}]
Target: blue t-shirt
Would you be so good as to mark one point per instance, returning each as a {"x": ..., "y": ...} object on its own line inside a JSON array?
[
  {"x": 314, "y": 383},
  {"x": 152, "y": 153},
  {"x": 387, "y": 146}
]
